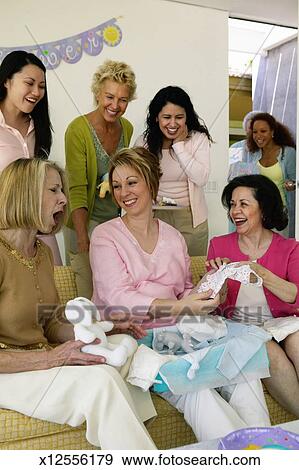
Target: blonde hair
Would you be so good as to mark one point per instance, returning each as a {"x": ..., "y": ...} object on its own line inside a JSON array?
[
  {"x": 22, "y": 185},
  {"x": 144, "y": 162},
  {"x": 120, "y": 72}
]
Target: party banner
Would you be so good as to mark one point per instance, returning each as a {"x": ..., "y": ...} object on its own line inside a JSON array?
[{"x": 70, "y": 49}]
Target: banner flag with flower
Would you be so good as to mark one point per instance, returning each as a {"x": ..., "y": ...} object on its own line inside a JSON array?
[{"x": 70, "y": 49}]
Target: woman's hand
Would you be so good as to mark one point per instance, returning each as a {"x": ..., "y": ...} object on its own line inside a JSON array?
[
  {"x": 80, "y": 221},
  {"x": 196, "y": 304},
  {"x": 223, "y": 291},
  {"x": 182, "y": 135},
  {"x": 83, "y": 243},
  {"x": 216, "y": 263},
  {"x": 281, "y": 288},
  {"x": 130, "y": 328},
  {"x": 290, "y": 185},
  {"x": 69, "y": 354},
  {"x": 192, "y": 304}
]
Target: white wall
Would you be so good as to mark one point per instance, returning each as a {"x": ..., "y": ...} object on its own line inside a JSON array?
[
  {"x": 277, "y": 12},
  {"x": 165, "y": 43}
]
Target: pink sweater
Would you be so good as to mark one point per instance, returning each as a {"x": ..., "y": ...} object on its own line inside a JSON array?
[
  {"x": 129, "y": 279},
  {"x": 281, "y": 258}
]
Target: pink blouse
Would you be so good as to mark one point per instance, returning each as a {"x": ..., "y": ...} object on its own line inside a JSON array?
[
  {"x": 126, "y": 278},
  {"x": 13, "y": 145}
]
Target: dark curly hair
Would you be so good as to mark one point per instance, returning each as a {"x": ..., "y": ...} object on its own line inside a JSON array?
[
  {"x": 175, "y": 95},
  {"x": 281, "y": 134},
  {"x": 267, "y": 195},
  {"x": 11, "y": 64}
]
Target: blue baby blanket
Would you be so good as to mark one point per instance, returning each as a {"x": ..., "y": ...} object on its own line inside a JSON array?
[{"x": 239, "y": 356}]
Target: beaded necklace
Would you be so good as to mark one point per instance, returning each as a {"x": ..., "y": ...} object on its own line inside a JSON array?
[{"x": 30, "y": 263}]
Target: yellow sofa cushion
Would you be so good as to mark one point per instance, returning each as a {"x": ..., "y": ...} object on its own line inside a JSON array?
[
  {"x": 198, "y": 268},
  {"x": 66, "y": 285},
  {"x": 22, "y": 432},
  {"x": 168, "y": 430}
]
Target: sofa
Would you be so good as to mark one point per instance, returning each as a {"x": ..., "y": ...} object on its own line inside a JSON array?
[{"x": 168, "y": 429}]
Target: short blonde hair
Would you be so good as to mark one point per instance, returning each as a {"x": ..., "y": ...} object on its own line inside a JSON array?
[
  {"x": 144, "y": 162},
  {"x": 120, "y": 72},
  {"x": 22, "y": 184}
]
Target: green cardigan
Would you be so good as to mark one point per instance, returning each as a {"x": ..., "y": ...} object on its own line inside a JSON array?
[{"x": 81, "y": 162}]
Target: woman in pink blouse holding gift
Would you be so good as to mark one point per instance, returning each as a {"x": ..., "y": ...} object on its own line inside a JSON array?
[
  {"x": 141, "y": 267},
  {"x": 140, "y": 262},
  {"x": 177, "y": 135}
]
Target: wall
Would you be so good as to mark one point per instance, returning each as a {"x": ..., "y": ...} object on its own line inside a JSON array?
[
  {"x": 165, "y": 43},
  {"x": 269, "y": 11},
  {"x": 240, "y": 103},
  {"x": 240, "y": 100}
]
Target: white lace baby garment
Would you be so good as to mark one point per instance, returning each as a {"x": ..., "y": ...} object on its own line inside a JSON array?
[{"x": 216, "y": 280}]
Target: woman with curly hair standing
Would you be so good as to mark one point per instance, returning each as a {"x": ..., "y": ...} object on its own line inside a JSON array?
[
  {"x": 273, "y": 151},
  {"x": 90, "y": 141},
  {"x": 180, "y": 138}
]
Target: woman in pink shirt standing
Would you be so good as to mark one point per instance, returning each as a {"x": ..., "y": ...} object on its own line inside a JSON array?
[
  {"x": 180, "y": 138},
  {"x": 25, "y": 127},
  {"x": 140, "y": 267},
  {"x": 255, "y": 207}
]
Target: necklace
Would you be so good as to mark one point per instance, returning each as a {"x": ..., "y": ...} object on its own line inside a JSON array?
[
  {"x": 269, "y": 157},
  {"x": 30, "y": 263}
]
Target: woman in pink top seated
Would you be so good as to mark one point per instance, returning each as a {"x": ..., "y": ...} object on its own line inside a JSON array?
[
  {"x": 141, "y": 267},
  {"x": 25, "y": 127},
  {"x": 255, "y": 207},
  {"x": 180, "y": 138}
]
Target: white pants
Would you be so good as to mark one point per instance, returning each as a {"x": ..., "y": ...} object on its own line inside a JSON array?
[
  {"x": 74, "y": 394},
  {"x": 211, "y": 417}
]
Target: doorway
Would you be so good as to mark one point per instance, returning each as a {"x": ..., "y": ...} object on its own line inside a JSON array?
[{"x": 262, "y": 77}]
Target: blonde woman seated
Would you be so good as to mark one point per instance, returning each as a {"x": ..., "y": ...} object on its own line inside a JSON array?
[
  {"x": 36, "y": 379},
  {"x": 140, "y": 264}
]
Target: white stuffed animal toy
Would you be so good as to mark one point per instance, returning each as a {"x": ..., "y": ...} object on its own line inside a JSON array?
[{"x": 83, "y": 314}]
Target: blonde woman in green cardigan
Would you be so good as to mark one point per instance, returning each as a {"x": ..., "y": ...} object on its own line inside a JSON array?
[{"x": 90, "y": 141}]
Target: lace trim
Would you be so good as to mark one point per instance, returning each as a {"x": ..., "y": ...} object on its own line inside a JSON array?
[{"x": 101, "y": 153}]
